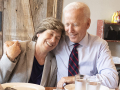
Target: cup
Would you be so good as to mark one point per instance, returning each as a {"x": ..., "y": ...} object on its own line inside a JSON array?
[
  {"x": 93, "y": 83},
  {"x": 80, "y": 82}
]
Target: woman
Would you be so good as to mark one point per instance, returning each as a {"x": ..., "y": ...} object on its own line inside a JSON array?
[{"x": 33, "y": 62}]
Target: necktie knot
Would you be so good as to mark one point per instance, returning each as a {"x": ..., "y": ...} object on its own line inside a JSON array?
[{"x": 76, "y": 44}]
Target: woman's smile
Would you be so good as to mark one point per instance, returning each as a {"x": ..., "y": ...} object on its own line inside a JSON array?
[{"x": 49, "y": 44}]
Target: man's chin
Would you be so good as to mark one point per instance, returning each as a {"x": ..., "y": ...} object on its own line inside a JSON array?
[{"x": 73, "y": 40}]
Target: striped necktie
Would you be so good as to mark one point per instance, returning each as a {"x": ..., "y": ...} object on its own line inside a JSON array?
[{"x": 73, "y": 61}]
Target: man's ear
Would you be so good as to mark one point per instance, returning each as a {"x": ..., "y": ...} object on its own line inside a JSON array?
[{"x": 88, "y": 23}]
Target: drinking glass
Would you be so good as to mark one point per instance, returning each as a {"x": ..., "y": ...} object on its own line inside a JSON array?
[
  {"x": 80, "y": 82},
  {"x": 93, "y": 83}
]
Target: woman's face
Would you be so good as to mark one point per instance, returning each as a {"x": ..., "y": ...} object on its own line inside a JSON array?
[{"x": 48, "y": 40}]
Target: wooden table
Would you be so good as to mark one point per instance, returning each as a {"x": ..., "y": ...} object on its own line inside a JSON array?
[{"x": 50, "y": 88}]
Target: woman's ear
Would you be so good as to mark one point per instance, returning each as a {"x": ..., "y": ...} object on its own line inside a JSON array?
[{"x": 38, "y": 35}]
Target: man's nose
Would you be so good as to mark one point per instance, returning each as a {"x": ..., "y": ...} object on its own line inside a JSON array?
[{"x": 70, "y": 28}]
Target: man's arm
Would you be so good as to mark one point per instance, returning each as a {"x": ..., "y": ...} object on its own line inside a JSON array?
[
  {"x": 70, "y": 79},
  {"x": 12, "y": 49},
  {"x": 107, "y": 72},
  {"x": 6, "y": 68}
]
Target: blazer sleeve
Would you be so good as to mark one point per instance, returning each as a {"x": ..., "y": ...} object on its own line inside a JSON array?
[{"x": 6, "y": 68}]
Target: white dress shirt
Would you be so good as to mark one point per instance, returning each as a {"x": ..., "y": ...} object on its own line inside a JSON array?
[{"x": 94, "y": 59}]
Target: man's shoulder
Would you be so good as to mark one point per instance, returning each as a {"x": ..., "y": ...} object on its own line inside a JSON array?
[
  {"x": 62, "y": 45},
  {"x": 62, "y": 42},
  {"x": 95, "y": 39}
]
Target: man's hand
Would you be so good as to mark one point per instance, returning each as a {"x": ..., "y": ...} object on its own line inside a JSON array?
[
  {"x": 12, "y": 49},
  {"x": 70, "y": 79},
  {"x": 7, "y": 43}
]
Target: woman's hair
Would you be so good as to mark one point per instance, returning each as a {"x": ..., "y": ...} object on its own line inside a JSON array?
[{"x": 51, "y": 24}]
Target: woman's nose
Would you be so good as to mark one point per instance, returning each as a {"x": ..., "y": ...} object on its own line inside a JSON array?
[{"x": 53, "y": 39}]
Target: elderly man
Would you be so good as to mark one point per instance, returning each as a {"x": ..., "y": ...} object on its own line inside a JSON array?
[{"x": 92, "y": 57}]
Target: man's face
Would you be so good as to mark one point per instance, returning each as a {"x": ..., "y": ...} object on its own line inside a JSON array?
[{"x": 75, "y": 25}]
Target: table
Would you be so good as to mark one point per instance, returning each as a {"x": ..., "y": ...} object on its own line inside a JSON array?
[{"x": 51, "y": 88}]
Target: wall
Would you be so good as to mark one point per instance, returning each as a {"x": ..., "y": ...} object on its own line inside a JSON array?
[{"x": 103, "y": 10}]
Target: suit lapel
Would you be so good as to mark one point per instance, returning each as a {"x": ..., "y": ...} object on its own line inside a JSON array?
[
  {"x": 30, "y": 58},
  {"x": 53, "y": 68},
  {"x": 46, "y": 70}
]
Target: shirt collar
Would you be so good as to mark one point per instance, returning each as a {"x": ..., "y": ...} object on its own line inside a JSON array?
[{"x": 83, "y": 42}]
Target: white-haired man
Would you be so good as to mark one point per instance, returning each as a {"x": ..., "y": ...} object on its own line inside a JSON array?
[{"x": 94, "y": 56}]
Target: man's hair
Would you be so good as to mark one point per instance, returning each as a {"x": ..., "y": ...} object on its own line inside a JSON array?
[
  {"x": 78, "y": 5},
  {"x": 51, "y": 24}
]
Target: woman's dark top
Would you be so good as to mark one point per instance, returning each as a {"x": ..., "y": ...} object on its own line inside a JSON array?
[{"x": 36, "y": 74}]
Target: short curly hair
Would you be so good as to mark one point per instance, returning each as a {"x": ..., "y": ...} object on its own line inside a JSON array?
[{"x": 49, "y": 23}]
